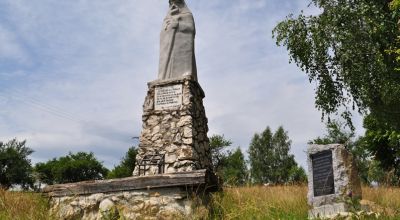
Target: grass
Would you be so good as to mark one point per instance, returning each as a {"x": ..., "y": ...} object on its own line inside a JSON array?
[
  {"x": 387, "y": 200},
  {"x": 23, "y": 206},
  {"x": 290, "y": 202},
  {"x": 256, "y": 202}
]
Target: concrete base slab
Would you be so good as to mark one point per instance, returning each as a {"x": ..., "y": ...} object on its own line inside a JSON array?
[{"x": 327, "y": 211}]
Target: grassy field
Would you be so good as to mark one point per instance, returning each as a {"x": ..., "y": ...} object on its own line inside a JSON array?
[
  {"x": 278, "y": 202},
  {"x": 22, "y": 206},
  {"x": 261, "y": 203},
  {"x": 290, "y": 202}
]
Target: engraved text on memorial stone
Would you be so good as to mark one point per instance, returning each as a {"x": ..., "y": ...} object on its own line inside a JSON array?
[
  {"x": 323, "y": 173},
  {"x": 168, "y": 97}
]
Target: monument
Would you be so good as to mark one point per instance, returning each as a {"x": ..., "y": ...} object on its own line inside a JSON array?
[
  {"x": 333, "y": 183},
  {"x": 173, "y": 161},
  {"x": 174, "y": 133},
  {"x": 177, "y": 35}
]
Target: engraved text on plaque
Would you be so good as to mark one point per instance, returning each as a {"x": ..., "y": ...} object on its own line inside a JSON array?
[
  {"x": 323, "y": 173},
  {"x": 168, "y": 97}
]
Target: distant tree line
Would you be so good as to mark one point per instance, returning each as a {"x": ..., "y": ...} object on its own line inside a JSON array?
[
  {"x": 16, "y": 167},
  {"x": 269, "y": 162}
]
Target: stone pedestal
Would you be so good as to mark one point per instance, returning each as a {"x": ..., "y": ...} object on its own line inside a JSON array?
[
  {"x": 175, "y": 126},
  {"x": 165, "y": 196},
  {"x": 333, "y": 183}
]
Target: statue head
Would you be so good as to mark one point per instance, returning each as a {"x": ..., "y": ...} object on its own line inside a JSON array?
[
  {"x": 179, "y": 3},
  {"x": 175, "y": 5},
  {"x": 178, "y": 7}
]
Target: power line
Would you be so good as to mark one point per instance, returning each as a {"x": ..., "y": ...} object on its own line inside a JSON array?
[
  {"x": 38, "y": 102},
  {"x": 33, "y": 102},
  {"x": 43, "y": 107}
]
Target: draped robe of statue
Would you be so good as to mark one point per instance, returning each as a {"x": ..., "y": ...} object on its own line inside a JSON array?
[{"x": 177, "y": 57}]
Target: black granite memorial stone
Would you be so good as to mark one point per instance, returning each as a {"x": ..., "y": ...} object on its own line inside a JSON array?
[
  {"x": 332, "y": 181},
  {"x": 323, "y": 173}
]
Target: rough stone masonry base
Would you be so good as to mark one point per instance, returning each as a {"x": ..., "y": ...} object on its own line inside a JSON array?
[
  {"x": 167, "y": 196},
  {"x": 179, "y": 132},
  {"x": 327, "y": 211}
]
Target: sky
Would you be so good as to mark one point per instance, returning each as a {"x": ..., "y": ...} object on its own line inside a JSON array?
[{"x": 73, "y": 74}]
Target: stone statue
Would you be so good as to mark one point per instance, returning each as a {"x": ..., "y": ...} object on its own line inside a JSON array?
[{"x": 177, "y": 56}]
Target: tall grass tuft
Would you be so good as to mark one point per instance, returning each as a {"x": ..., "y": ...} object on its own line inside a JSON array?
[
  {"x": 23, "y": 206},
  {"x": 290, "y": 202},
  {"x": 259, "y": 202},
  {"x": 387, "y": 200}
]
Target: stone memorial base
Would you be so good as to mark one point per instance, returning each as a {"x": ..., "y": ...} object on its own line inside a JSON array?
[
  {"x": 328, "y": 211},
  {"x": 333, "y": 183},
  {"x": 174, "y": 128},
  {"x": 167, "y": 196}
]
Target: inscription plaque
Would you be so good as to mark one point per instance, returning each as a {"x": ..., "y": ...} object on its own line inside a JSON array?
[
  {"x": 168, "y": 97},
  {"x": 323, "y": 180}
]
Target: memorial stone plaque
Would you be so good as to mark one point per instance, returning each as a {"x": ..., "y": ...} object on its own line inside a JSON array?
[
  {"x": 168, "y": 97},
  {"x": 323, "y": 180}
]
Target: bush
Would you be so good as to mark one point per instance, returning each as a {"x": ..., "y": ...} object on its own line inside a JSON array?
[
  {"x": 126, "y": 166},
  {"x": 71, "y": 168},
  {"x": 15, "y": 167}
]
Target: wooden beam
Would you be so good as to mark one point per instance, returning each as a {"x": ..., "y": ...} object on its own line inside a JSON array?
[{"x": 192, "y": 178}]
